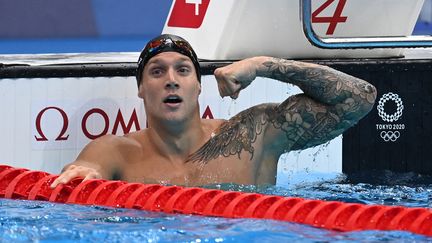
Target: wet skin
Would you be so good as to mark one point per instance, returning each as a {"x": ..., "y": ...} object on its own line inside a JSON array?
[{"x": 180, "y": 148}]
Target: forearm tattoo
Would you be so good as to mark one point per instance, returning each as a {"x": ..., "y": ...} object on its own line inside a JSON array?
[
  {"x": 322, "y": 83},
  {"x": 331, "y": 103}
]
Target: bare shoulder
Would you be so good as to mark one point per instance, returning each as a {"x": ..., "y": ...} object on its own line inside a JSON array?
[
  {"x": 114, "y": 141},
  {"x": 133, "y": 138},
  {"x": 110, "y": 146},
  {"x": 213, "y": 125},
  {"x": 134, "y": 143}
]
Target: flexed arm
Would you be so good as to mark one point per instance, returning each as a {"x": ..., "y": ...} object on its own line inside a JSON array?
[{"x": 331, "y": 103}]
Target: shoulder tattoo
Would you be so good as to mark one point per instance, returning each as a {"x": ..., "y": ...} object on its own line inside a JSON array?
[
  {"x": 302, "y": 122},
  {"x": 233, "y": 137}
]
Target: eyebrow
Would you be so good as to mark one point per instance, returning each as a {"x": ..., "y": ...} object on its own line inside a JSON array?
[{"x": 158, "y": 61}]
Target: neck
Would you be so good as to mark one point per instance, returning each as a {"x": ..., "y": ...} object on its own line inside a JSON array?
[{"x": 177, "y": 140}]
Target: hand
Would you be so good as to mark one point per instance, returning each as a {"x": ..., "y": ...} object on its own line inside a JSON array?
[
  {"x": 74, "y": 171},
  {"x": 235, "y": 77}
]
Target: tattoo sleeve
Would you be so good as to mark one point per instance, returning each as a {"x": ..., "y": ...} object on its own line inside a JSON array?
[
  {"x": 321, "y": 83},
  {"x": 331, "y": 103}
]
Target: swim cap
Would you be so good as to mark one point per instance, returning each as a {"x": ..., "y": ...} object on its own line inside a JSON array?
[{"x": 166, "y": 43}]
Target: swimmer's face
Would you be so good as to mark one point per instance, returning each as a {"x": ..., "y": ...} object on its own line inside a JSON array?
[{"x": 170, "y": 88}]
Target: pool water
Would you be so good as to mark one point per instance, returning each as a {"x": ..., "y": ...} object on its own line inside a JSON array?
[{"x": 35, "y": 221}]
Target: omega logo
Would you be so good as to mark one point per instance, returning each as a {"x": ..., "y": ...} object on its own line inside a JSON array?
[{"x": 118, "y": 122}]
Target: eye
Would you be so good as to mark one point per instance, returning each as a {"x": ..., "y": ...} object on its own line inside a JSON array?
[
  {"x": 184, "y": 70},
  {"x": 156, "y": 72}
]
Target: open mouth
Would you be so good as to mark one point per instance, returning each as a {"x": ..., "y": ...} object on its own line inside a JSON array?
[{"x": 172, "y": 99}]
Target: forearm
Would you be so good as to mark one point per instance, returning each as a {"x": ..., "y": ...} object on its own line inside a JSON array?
[{"x": 321, "y": 83}]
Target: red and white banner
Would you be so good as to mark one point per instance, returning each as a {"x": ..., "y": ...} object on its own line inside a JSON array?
[
  {"x": 71, "y": 124},
  {"x": 188, "y": 13},
  {"x": 46, "y": 122}
]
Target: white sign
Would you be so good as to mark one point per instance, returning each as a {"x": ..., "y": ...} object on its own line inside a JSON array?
[
  {"x": 71, "y": 124},
  {"x": 51, "y": 120},
  {"x": 197, "y": 4},
  {"x": 236, "y": 29}
]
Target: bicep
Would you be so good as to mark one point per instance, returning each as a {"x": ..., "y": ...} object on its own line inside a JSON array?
[{"x": 301, "y": 122}]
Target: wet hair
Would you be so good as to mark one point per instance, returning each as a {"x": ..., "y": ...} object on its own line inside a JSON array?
[{"x": 166, "y": 43}]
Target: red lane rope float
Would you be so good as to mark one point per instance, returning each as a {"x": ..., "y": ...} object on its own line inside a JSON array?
[{"x": 16, "y": 183}]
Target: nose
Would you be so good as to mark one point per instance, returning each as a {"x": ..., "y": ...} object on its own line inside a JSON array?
[{"x": 172, "y": 85}]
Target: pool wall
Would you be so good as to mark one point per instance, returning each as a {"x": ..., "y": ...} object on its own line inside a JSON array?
[
  {"x": 99, "y": 98},
  {"x": 51, "y": 111},
  {"x": 396, "y": 135}
]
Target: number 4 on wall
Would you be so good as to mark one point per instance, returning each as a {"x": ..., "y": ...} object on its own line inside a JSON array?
[{"x": 334, "y": 20}]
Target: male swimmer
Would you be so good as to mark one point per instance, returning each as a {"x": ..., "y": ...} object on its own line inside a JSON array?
[{"x": 180, "y": 148}]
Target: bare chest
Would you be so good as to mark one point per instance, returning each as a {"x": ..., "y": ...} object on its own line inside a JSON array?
[{"x": 220, "y": 170}]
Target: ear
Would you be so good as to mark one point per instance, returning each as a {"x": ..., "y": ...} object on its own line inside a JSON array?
[
  {"x": 140, "y": 91},
  {"x": 199, "y": 88}
]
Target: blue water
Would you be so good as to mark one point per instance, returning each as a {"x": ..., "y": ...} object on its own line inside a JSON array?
[{"x": 34, "y": 221}]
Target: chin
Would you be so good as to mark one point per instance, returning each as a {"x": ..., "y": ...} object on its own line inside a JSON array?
[{"x": 174, "y": 119}]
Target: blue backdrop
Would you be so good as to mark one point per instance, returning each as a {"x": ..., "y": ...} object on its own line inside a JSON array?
[
  {"x": 47, "y": 26},
  {"x": 53, "y": 26}
]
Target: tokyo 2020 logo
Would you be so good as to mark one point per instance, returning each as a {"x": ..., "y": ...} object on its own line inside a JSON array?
[
  {"x": 390, "y": 132},
  {"x": 397, "y": 114}
]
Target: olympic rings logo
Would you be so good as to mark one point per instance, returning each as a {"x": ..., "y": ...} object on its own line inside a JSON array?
[
  {"x": 395, "y": 116},
  {"x": 390, "y": 136}
]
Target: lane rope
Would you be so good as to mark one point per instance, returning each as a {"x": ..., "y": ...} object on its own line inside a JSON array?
[{"x": 19, "y": 183}]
